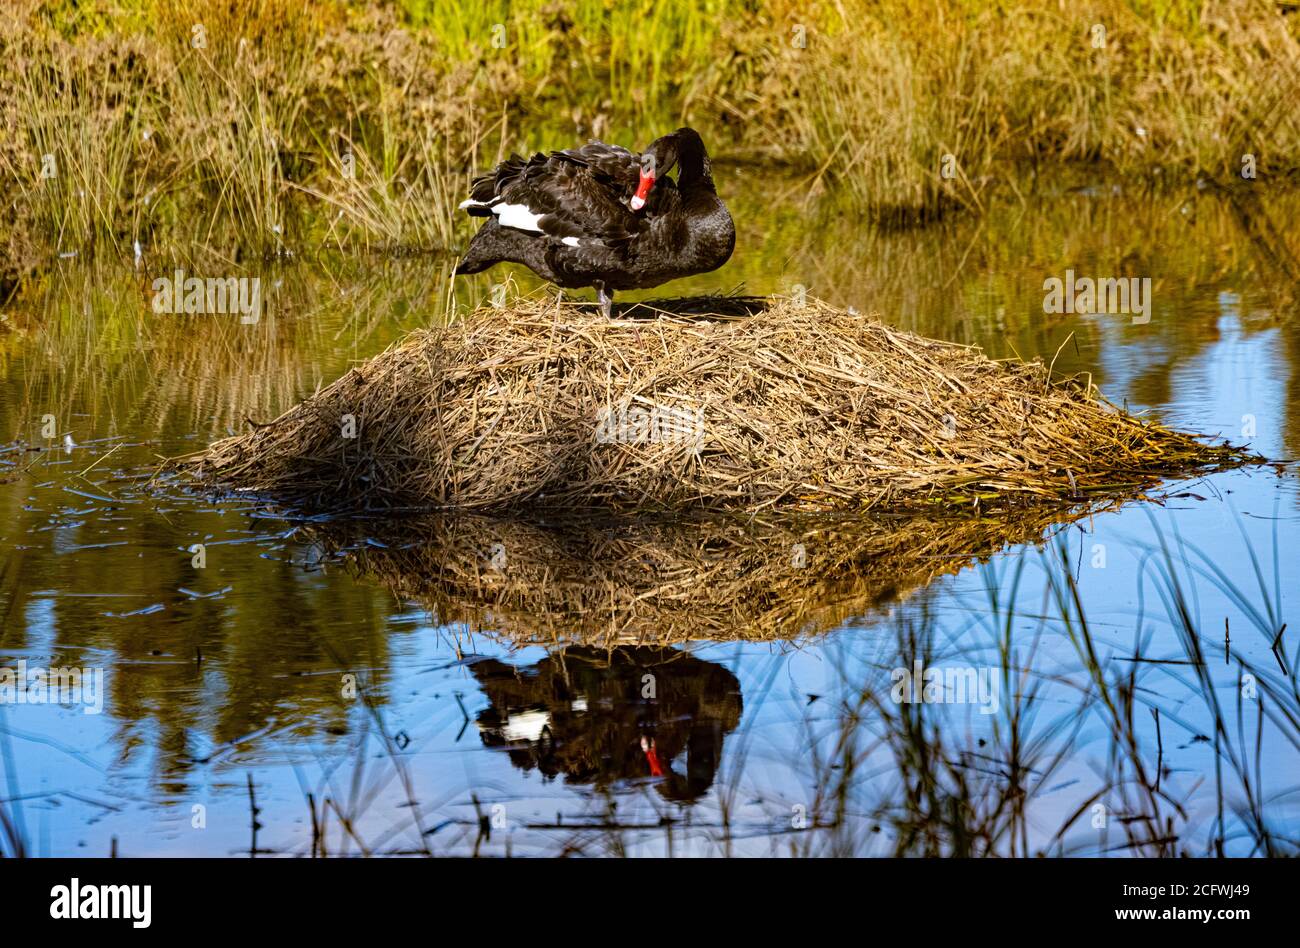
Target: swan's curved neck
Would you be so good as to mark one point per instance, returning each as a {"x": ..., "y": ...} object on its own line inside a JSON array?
[{"x": 694, "y": 164}]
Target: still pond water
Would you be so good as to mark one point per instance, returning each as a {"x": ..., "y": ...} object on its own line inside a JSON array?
[{"x": 366, "y": 696}]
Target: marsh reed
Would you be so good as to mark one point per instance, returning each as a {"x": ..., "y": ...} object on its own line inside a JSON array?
[{"x": 298, "y": 124}]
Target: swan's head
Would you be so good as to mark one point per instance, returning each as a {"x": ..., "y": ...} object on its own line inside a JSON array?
[
  {"x": 663, "y": 155},
  {"x": 647, "y": 181}
]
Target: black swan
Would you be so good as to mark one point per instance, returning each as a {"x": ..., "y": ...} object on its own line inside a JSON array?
[{"x": 603, "y": 216}]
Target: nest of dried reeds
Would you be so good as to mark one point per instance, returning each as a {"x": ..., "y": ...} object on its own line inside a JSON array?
[
  {"x": 546, "y": 404},
  {"x": 659, "y": 581}
]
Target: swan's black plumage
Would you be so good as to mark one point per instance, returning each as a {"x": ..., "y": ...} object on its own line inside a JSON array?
[{"x": 568, "y": 216}]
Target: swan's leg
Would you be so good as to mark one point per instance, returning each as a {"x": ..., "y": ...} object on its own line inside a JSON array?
[{"x": 606, "y": 300}]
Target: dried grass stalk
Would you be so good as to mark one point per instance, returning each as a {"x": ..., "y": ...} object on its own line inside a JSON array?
[{"x": 545, "y": 405}]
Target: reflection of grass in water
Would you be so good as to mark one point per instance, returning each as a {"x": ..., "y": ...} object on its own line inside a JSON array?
[
  {"x": 951, "y": 795},
  {"x": 89, "y": 344},
  {"x": 973, "y": 281},
  {"x": 125, "y": 381},
  {"x": 1275, "y": 691},
  {"x": 911, "y": 780},
  {"x": 13, "y": 841},
  {"x": 902, "y": 780},
  {"x": 980, "y": 280}
]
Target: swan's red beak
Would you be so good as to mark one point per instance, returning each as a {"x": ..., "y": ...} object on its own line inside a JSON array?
[{"x": 642, "y": 190}]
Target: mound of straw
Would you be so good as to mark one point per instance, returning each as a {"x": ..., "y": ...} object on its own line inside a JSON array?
[
  {"x": 655, "y": 581},
  {"x": 548, "y": 405}
]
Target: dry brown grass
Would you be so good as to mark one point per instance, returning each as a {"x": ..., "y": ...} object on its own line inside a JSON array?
[
  {"x": 294, "y": 124},
  {"x": 799, "y": 406}
]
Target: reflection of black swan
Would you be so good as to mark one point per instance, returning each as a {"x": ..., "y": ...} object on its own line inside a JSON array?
[
  {"x": 599, "y": 716},
  {"x": 603, "y": 216}
]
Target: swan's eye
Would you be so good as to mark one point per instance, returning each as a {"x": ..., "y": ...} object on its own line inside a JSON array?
[{"x": 642, "y": 190}]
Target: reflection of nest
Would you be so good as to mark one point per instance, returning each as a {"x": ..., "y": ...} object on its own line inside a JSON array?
[
  {"x": 597, "y": 717},
  {"x": 612, "y": 582}
]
